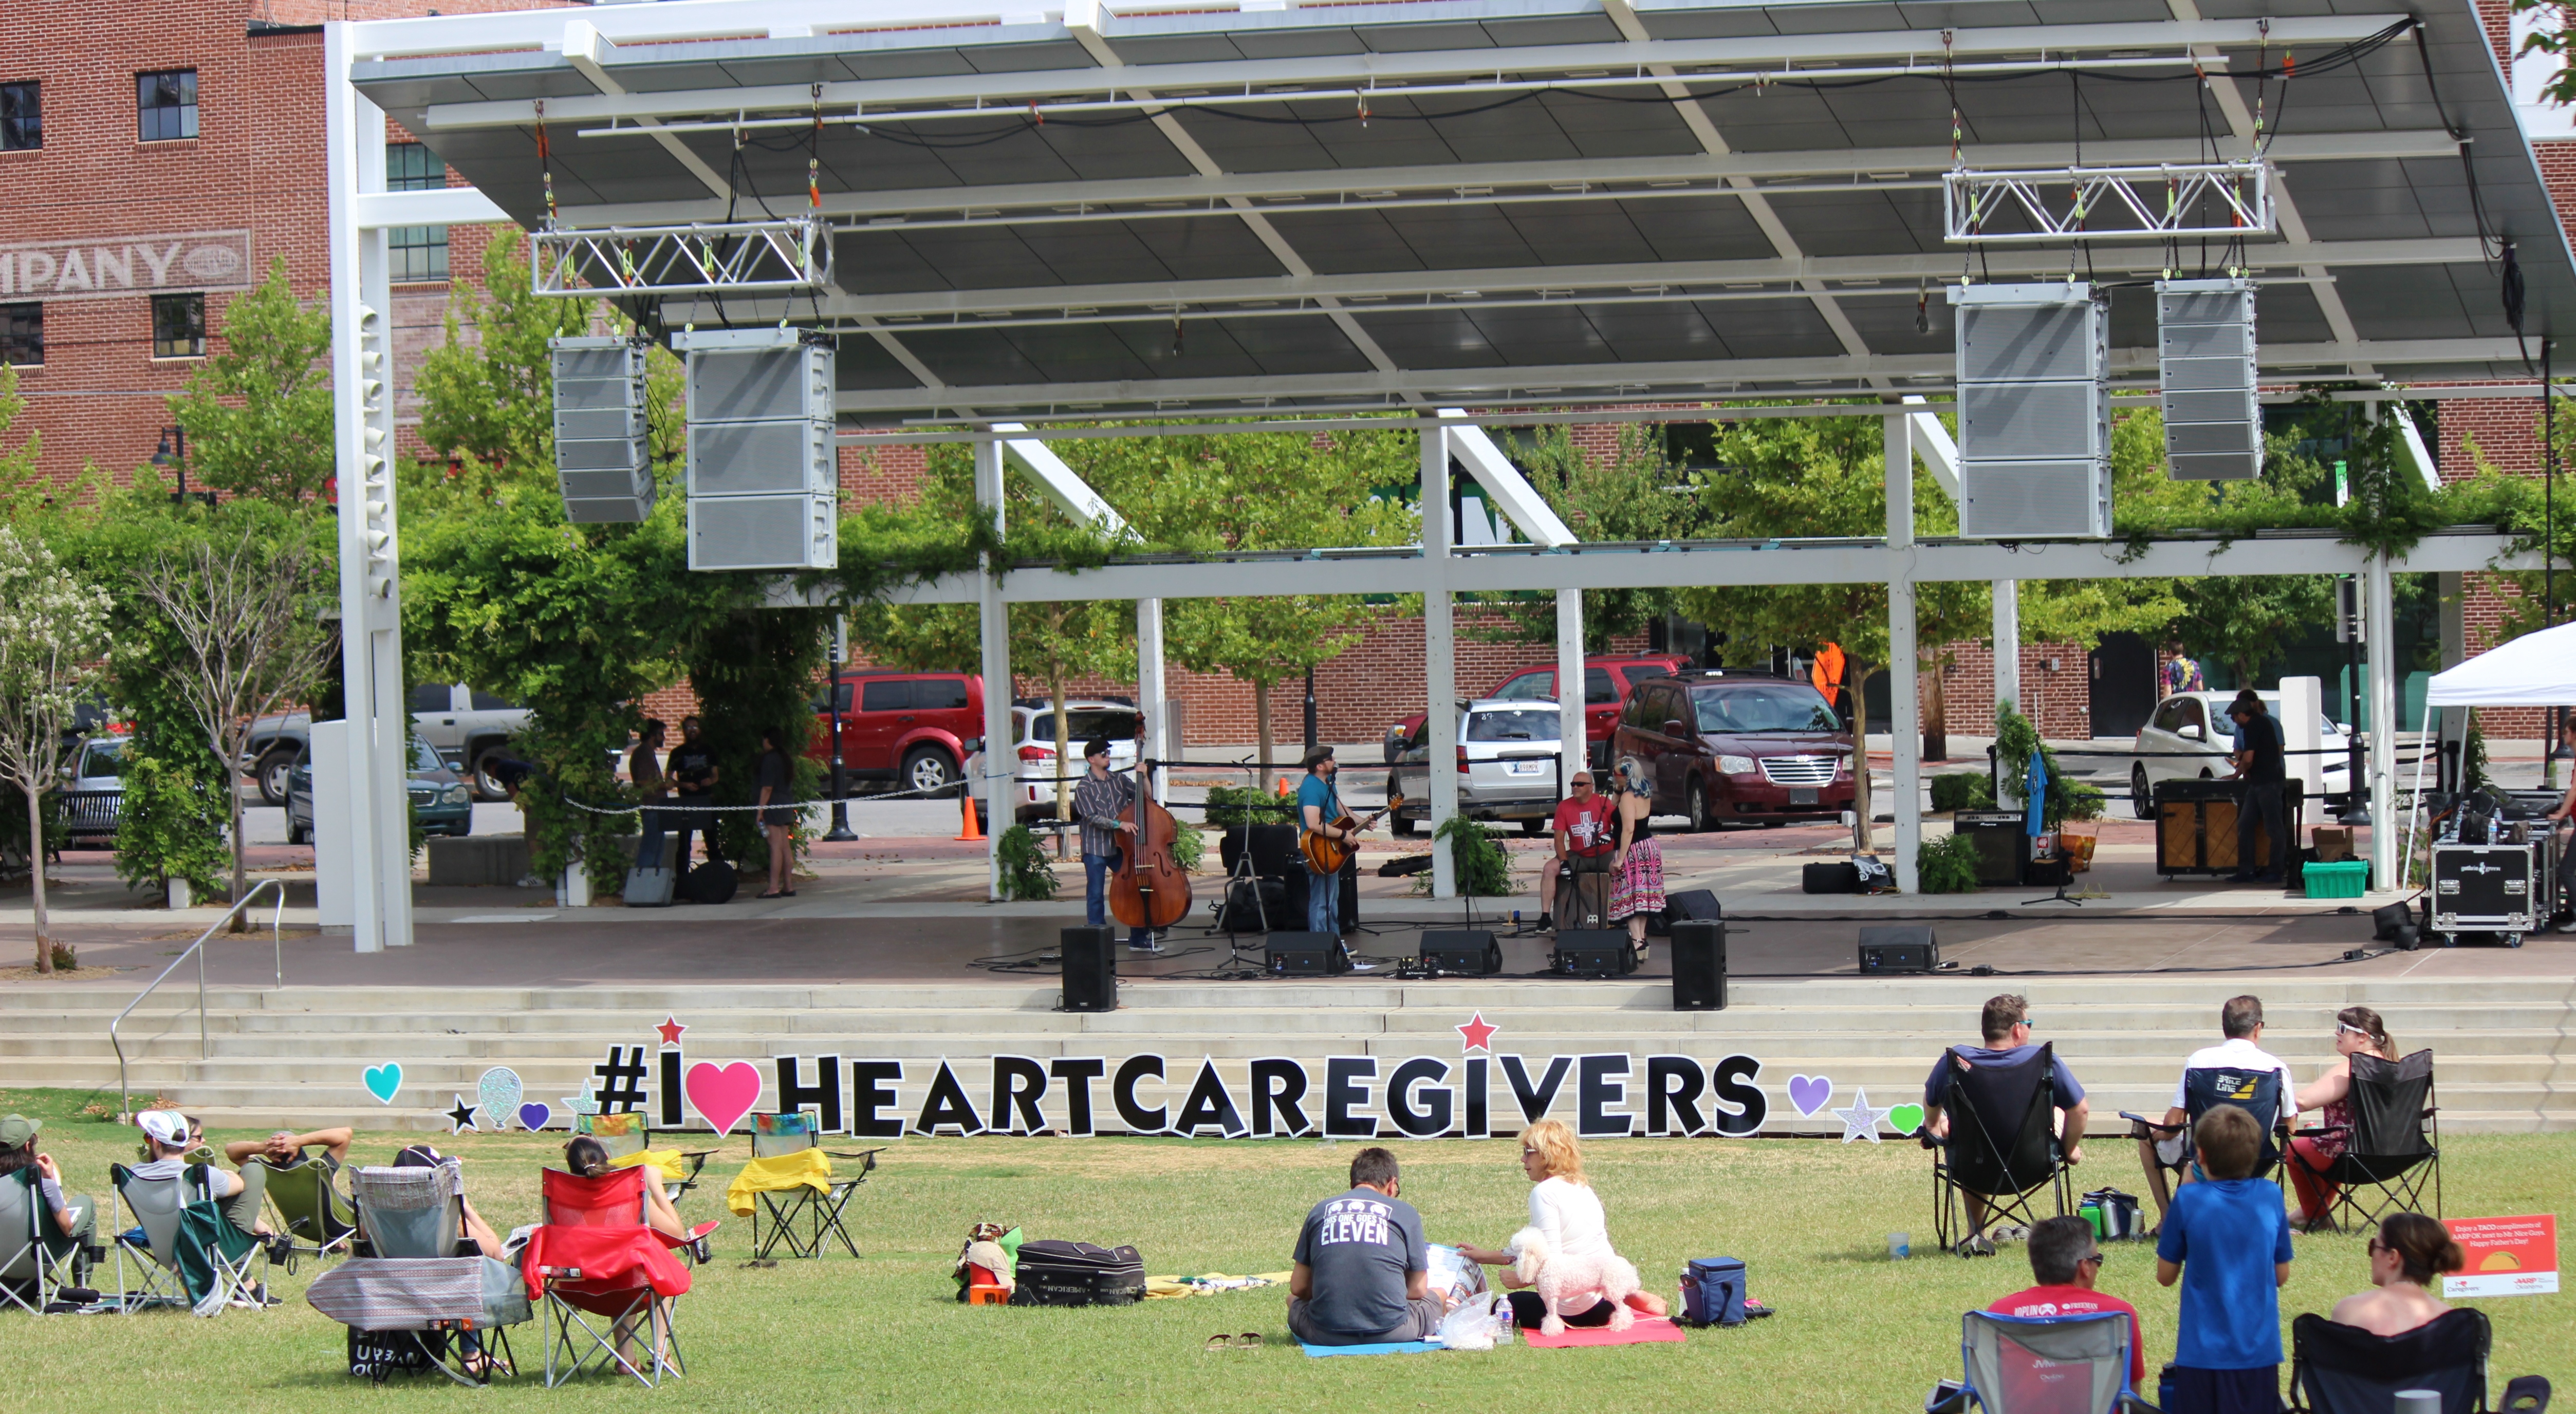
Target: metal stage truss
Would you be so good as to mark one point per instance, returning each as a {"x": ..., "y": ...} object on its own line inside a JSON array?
[
  {"x": 722, "y": 258},
  {"x": 2221, "y": 200},
  {"x": 1268, "y": 207}
]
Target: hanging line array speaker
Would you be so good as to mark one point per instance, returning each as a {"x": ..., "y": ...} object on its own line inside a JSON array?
[
  {"x": 603, "y": 464},
  {"x": 2205, "y": 362},
  {"x": 764, "y": 473},
  {"x": 2034, "y": 411}
]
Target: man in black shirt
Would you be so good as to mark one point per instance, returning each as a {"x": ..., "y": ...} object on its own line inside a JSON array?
[
  {"x": 693, "y": 777},
  {"x": 2258, "y": 764}
]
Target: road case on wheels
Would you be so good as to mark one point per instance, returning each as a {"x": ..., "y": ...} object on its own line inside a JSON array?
[{"x": 2489, "y": 889}]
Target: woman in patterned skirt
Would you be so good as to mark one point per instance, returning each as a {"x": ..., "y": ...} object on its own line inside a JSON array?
[{"x": 1637, "y": 869}]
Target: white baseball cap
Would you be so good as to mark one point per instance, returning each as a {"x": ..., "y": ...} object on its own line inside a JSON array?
[{"x": 168, "y": 1128}]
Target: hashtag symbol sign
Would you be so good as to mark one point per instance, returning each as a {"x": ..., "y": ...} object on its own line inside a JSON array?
[{"x": 621, "y": 1080}]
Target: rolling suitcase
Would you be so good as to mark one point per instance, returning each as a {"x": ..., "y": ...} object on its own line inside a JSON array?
[{"x": 1052, "y": 1273}]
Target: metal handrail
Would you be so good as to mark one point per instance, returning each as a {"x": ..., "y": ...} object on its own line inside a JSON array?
[{"x": 276, "y": 938}]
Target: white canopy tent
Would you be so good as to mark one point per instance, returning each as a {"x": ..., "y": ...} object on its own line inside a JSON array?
[{"x": 2535, "y": 670}]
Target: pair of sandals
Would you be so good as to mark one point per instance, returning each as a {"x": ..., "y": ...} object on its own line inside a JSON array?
[{"x": 1249, "y": 1340}]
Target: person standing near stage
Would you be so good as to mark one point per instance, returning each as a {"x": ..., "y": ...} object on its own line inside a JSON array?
[
  {"x": 776, "y": 783},
  {"x": 1101, "y": 801},
  {"x": 1637, "y": 865},
  {"x": 644, "y": 772},
  {"x": 2259, "y": 744},
  {"x": 1319, "y": 804},
  {"x": 693, "y": 774}
]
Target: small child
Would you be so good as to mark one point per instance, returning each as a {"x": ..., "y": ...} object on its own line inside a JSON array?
[{"x": 2218, "y": 1238}]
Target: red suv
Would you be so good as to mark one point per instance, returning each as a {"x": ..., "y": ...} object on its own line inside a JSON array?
[
  {"x": 1724, "y": 746},
  {"x": 1606, "y": 681},
  {"x": 909, "y": 728}
]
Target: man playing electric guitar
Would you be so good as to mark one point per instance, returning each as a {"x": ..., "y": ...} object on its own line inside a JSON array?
[{"x": 1326, "y": 831}]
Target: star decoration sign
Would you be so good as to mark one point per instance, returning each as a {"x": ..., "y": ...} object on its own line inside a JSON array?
[
  {"x": 1860, "y": 1121},
  {"x": 1479, "y": 1034},
  {"x": 460, "y": 1116},
  {"x": 671, "y": 1028}
]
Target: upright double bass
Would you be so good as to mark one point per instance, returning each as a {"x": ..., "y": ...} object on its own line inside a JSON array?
[{"x": 1150, "y": 889}]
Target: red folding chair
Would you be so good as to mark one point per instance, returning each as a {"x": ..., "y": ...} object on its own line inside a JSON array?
[{"x": 598, "y": 1258}]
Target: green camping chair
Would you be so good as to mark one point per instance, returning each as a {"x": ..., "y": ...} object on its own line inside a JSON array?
[
  {"x": 196, "y": 1251},
  {"x": 411, "y": 1300},
  {"x": 37, "y": 1259},
  {"x": 625, "y": 1134},
  {"x": 305, "y": 1197}
]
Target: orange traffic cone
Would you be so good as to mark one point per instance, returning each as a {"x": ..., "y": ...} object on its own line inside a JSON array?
[
  {"x": 1284, "y": 791},
  {"x": 970, "y": 831}
]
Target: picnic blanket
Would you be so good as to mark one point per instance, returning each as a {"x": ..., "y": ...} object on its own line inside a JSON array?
[
  {"x": 1208, "y": 1284},
  {"x": 1390, "y": 1347},
  {"x": 1646, "y": 1330}
]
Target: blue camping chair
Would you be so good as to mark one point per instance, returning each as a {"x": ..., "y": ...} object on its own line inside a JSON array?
[{"x": 2256, "y": 1092}]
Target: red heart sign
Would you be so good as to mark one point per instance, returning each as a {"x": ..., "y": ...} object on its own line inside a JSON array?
[{"x": 723, "y": 1094}]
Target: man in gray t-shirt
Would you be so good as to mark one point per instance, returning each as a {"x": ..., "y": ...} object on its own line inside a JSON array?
[{"x": 1362, "y": 1273}]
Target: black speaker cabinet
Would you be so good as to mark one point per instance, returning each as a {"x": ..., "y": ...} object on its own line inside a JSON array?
[
  {"x": 2003, "y": 845},
  {"x": 1469, "y": 953},
  {"x": 1304, "y": 955},
  {"x": 1699, "y": 965},
  {"x": 1594, "y": 952},
  {"x": 1090, "y": 968},
  {"x": 1273, "y": 849},
  {"x": 1898, "y": 947}
]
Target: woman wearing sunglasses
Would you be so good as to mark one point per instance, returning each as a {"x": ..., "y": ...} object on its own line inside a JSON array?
[
  {"x": 1562, "y": 1205},
  {"x": 2408, "y": 1256},
  {"x": 2357, "y": 1029}
]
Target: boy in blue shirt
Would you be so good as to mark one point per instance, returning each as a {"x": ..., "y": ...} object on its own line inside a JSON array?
[{"x": 2228, "y": 1241}]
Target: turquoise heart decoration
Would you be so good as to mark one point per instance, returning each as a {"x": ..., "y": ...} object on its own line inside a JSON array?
[{"x": 384, "y": 1081}]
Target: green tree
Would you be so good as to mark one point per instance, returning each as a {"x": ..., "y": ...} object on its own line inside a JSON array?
[
  {"x": 52, "y": 631},
  {"x": 490, "y": 399},
  {"x": 22, "y": 487},
  {"x": 1633, "y": 494},
  {"x": 258, "y": 412}
]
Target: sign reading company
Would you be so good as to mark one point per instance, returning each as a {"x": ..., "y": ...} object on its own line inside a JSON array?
[{"x": 123, "y": 265}]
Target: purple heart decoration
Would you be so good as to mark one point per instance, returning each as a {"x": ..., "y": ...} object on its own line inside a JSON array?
[
  {"x": 1810, "y": 1093},
  {"x": 534, "y": 1115}
]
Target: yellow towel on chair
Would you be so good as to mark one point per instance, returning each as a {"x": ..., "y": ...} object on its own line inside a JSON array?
[
  {"x": 665, "y": 1161},
  {"x": 807, "y": 1168}
]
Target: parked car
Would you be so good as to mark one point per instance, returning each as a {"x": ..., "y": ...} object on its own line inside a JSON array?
[
  {"x": 1723, "y": 746},
  {"x": 1606, "y": 683},
  {"x": 93, "y": 792},
  {"x": 1033, "y": 735},
  {"x": 2196, "y": 724},
  {"x": 909, "y": 728},
  {"x": 1507, "y": 766},
  {"x": 440, "y": 799},
  {"x": 468, "y": 727}
]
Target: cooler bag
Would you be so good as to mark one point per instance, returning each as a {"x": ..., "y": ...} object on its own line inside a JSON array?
[
  {"x": 1713, "y": 1292},
  {"x": 1055, "y": 1273},
  {"x": 2119, "y": 1214}
]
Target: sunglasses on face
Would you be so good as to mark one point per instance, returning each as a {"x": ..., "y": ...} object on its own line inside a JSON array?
[{"x": 2094, "y": 1257}]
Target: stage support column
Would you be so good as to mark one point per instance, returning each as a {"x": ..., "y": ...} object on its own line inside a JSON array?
[
  {"x": 2007, "y": 648},
  {"x": 1160, "y": 741},
  {"x": 1572, "y": 739},
  {"x": 2451, "y": 724},
  {"x": 375, "y": 705},
  {"x": 1439, "y": 654},
  {"x": 1904, "y": 686},
  {"x": 1001, "y": 761},
  {"x": 2379, "y": 630}
]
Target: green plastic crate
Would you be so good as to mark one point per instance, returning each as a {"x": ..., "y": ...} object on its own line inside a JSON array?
[{"x": 2345, "y": 878}]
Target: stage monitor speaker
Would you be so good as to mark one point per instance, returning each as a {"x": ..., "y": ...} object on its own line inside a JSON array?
[
  {"x": 1594, "y": 952},
  {"x": 1467, "y": 952},
  {"x": 1898, "y": 947},
  {"x": 1304, "y": 955},
  {"x": 763, "y": 468},
  {"x": 2034, "y": 411},
  {"x": 1273, "y": 849},
  {"x": 1699, "y": 965},
  {"x": 2205, "y": 363},
  {"x": 603, "y": 465},
  {"x": 1090, "y": 968}
]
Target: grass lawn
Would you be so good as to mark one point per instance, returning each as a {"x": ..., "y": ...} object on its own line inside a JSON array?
[{"x": 1855, "y": 1330}]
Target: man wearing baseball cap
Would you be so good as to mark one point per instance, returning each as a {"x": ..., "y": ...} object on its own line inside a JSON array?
[{"x": 74, "y": 1215}]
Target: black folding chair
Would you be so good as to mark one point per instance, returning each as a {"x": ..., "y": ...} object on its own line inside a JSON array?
[
  {"x": 2257, "y": 1092},
  {"x": 2347, "y": 1370},
  {"x": 2003, "y": 1144},
  {"x": 2393, "y": 1145}
]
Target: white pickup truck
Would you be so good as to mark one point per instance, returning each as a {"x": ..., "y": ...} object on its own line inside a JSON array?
[{"x": 467, "y": 726}]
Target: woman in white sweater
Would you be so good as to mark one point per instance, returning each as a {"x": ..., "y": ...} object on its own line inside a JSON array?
[{"x": 1566, "y": 1210}]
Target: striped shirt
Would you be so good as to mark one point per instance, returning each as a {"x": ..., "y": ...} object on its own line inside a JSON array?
[{"x": 1098, "y": 802}]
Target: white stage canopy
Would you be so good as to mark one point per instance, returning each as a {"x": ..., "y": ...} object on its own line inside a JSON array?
[{"x": 2535, "y": 670}]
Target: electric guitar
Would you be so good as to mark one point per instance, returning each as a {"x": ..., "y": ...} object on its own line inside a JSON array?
[{"x": 1325, "y": 855}]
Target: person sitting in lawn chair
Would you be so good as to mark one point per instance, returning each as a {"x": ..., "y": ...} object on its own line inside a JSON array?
[
  {"x": 1949, "y": 1109},
  {"x": 2066, "y": 1259},
  {"x": 2167, "y": 1146},
  {"x": 286, "y": 1146}
]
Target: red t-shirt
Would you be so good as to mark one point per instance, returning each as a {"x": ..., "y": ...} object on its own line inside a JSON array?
[
  {"x": 2076, "y": 1301},
  {"x": 1586, "y": 824}
]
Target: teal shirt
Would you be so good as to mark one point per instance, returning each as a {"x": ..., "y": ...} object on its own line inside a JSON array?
[{"x": 1315, "y": 790}]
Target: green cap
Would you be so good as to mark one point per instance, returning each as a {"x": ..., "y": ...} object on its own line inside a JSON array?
[{"x": 16, "y": 1131}]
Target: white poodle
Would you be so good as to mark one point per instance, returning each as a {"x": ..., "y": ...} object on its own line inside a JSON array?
[{"x": 1572, "y": 1284}]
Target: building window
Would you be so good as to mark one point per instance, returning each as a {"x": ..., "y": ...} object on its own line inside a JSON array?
[
  {"x": 178, "y": 326},
  {"x": 418, "y": 252},
  {"x": 22, "y": 333},
  {"x": 166, "y": 101},
  {"x": 22, "y": 116}
]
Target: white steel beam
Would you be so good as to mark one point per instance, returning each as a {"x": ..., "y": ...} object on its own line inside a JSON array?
[
  {"x": 1933, "y": 444},
  {"x": 1439, "y": 652},
  {"x": 1573, "y": 739},
  {"x": 2007, "y": 646},
  {"x": 1504, "y": 483},
  {"x": 1904, "y": 672},
  {"x": 993, "y": 631},
  {"x": 590, "y": 52},
  {"x": 2412, "y": 451},
  {"x": 443, "y": 206},
  {"x": 1062, "y": 486},
  {"x": 2379, "y": 633}
]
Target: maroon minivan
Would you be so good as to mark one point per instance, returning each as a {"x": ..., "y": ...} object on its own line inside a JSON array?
[
  {"x": 910, "y": 728},
  {"x": 1724, "y": 747}
]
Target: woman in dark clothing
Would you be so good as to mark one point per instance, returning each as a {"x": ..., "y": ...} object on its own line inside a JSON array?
[
  {"x": 1637, "y": 870},
  {"x": 776, "y": 780}
]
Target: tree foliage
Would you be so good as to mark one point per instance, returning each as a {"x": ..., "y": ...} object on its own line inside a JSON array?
[
  {"x": 1633, "y": 494},
  {"x": 52, "y": 631},
  {"x": 258, "y": 412}
]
